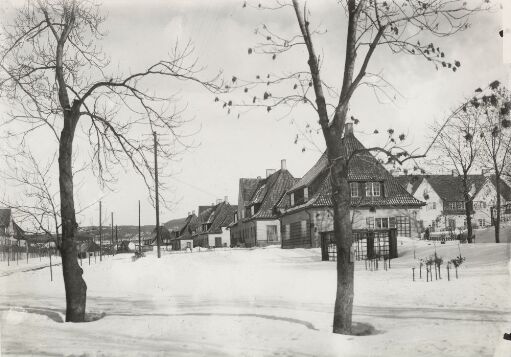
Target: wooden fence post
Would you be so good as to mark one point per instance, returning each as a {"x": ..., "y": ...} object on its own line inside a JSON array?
[
  {"x": 51, "y": 269},
  {"x": 413, "y": 273}
]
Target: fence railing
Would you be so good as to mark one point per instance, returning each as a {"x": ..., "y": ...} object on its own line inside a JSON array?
[{"x": 367, "y": 244}]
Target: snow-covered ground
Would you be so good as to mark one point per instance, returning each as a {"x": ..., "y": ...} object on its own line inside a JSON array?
[{"x": 263, "y": 302}]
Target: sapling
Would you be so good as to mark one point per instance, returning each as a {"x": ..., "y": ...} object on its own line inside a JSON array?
[{"x": 457, "y": 262}]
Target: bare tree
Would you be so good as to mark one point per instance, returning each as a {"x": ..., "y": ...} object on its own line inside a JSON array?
[
  {"x": 495, "y": 106},
  {"x": 398, "y": 25},
  {"x": 35, "y": 200},
  {"x": 55, "y": 75},
  {"x": 458, "y": 146}
]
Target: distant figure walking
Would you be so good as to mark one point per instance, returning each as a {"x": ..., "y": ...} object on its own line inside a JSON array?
[{"x": 426, "y": 234}]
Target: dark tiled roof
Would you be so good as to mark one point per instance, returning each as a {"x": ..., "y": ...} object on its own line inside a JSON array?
[
  {"x": 450, "y": 188},
  {"x": 505, "y": 189},
  {"x": 413, "y": 180},
  {"x": 190, "y": 225},
  {"x": 220, "y": 215},
  {"x": 363, "y": 167},
  {"x": 5, "y": 217},
  {"x": 269, "y": 193},
  {"x": 247, "y": 188}
]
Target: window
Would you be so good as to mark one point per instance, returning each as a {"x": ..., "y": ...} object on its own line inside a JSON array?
[
  {"x": 299, "y": 196},
  {"x": 373, "y": 189},
  {"x": 431, "y": 206},
  {"x": 235, "y": 217},
  {"x": 382, "y": 223},
  {"x": 252, "y": 210},
  {"x": 457, "y": 206},
  {"x": 370, "y": 222},
  {"x": 354, "y": 189},
  {"x": 271, "y": 233},
  {"x": 479, "y": 205},
  {"x": 482, "y": 222},
  {"x": 305, "y": 194},
  {"x": 292, "y": 197}
]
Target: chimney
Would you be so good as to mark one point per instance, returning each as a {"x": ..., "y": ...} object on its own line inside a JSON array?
[
  {"x": 283, "y": 165},
  {"x": 269, "y": 172},
  {"x": 226, "y": 199},
  {"x": 193, "y": 213},
  {"x": 348, "y": 129}
]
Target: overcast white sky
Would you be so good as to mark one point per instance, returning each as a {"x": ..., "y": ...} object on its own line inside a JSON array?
[{"x": 142, "y": 32}]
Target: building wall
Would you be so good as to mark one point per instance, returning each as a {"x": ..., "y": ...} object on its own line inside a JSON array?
[
  {"x": 438, "y": 221},
  {"x": 225, "y": 237},
  {"x": 262, "y": 232},
  {"x": 315, "y": 221},
  {"x": 431, "y": 214}
]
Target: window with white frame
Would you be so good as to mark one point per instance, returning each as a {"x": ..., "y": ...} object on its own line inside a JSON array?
[
  {"x": 382, "y": 222},
  {"x": 354, "y": 189},
  {"x": 370, "y": 222},
  {"x": 373, "y": 189}
]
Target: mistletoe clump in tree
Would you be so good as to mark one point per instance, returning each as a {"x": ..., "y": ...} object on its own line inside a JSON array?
[
  {"x": 404, "y": 27},
  {"x": 55, "y": 76}
]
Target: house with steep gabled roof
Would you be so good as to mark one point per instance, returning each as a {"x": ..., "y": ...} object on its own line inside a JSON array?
[
  {"x": 256, "y": 223},
  {"x": 445, "y": 201},
  {"x": 211, "y": 227},
  {"x": 8, "y": 230},
  {"x": 378, "y": 201},
  {"x": 181, "y": 231}
]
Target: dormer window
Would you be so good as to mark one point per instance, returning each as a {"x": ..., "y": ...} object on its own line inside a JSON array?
[
  {"x": 235, "y": 217},
  {"x": 373, "y": 189},
  {"x": 252, "y": 210},
  {"x": 354, "y": 189},
  {"x": 305, "y": 194},
  {"x": 292, "y": 198}
]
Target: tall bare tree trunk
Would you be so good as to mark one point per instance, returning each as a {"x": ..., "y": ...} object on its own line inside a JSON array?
[
  {"x": 468, "y": 215},
  {"x": 76, "y": 289},
  {"x": 497, "y": 215},
  {"x": 342, "y": 230},
  {"x": 468, "y": 207}
]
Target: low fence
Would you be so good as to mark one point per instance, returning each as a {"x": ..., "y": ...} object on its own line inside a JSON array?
[
  {"x": 448, "y": 236},
  {"x": 14, "y": 253},
  {"x": 367, "y": 244}
]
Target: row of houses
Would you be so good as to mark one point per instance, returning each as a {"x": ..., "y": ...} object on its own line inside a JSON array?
[
  {"x": 297, "y": 212},
  {"x": 445, "y": 202}
]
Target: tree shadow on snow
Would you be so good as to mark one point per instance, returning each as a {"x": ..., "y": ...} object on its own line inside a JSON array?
[{"x": 56, "y": 315}]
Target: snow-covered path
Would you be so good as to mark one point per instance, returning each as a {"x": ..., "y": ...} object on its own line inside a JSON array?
[{"x": 262, "y": 302}]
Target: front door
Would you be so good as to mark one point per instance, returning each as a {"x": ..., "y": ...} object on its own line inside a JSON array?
[{"x": 218, "y": 242}]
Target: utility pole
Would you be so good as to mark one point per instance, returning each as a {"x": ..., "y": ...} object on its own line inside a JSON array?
[
  {"x": 100, "y": 238},
  {"x": 112, "y": 232},
  {"x": 116, "y": 237},
  {"x": 139, "y": 235},
  {"x": 156, "y": 194}
]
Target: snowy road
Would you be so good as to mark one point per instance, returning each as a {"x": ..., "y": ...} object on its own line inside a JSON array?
[{"x": 261, "y": 303}]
